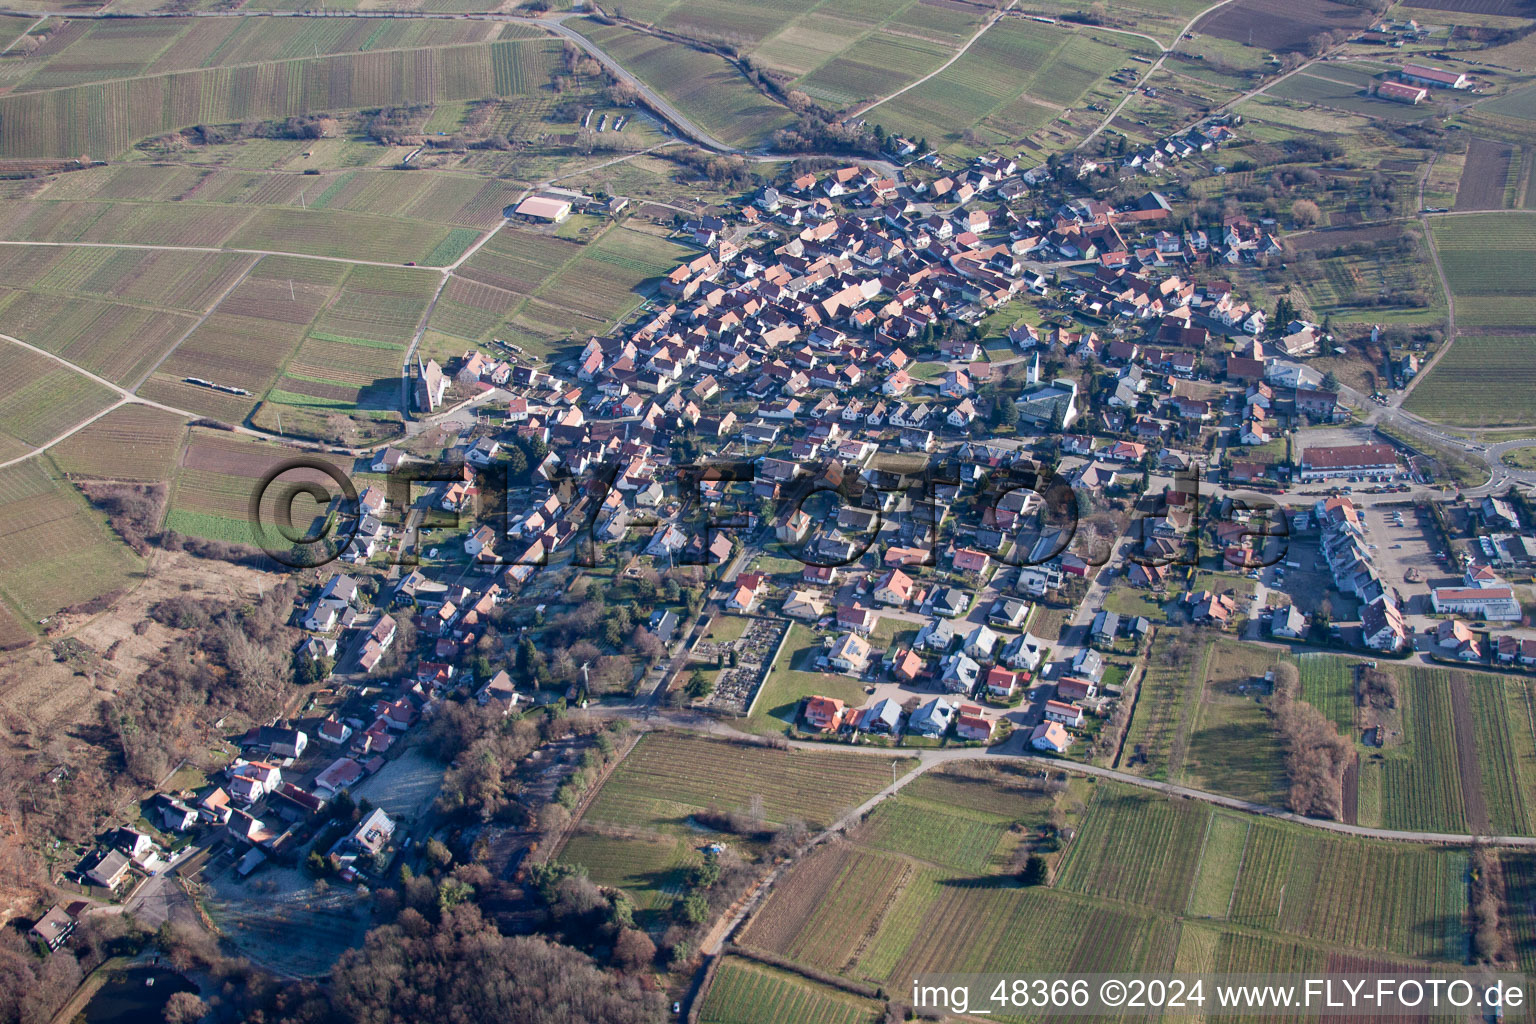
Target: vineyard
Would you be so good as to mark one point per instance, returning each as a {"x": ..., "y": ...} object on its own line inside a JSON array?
[
  {"x": 55, "y": 551},
  {"x": 963, "y": 842},
  {"x": 40, "y": 399},
  {"x": 666, "y": 778},
  {"x": 1353, "y": 892},
  {"x": 650, "y": 869},
  {"x": 1328, "y": 684},
  {"x": 748, "y": 993},
  {"x": 1171, "y": 690},
  {"x": 1422, "y": 780},
  {"x": 133, "y": 442},
  {"x": 1496, "y": 368},
  {"x": 1136, "y": 847},
  {"x": 1490, "y": 262},
  {"x": 121, "y": 112}
]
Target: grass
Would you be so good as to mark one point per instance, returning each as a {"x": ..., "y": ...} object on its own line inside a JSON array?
[
  {"x": 1328, "y": 684},
  {"x": 1490, "y": 263},
  {"x": 793, "y": 678},
  {"x": 1221, "y": 859}
]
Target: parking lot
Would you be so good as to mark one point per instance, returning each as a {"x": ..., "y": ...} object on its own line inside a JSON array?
[{"x": 1405, "y": 555}]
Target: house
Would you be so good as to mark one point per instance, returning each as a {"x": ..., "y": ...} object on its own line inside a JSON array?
[
  {"x": 971, "y": 724},
  {"x": 174, "y": 815},
  {"x": 824, "y": 713},
  {"x": 742, "y": 599},
  {"x": 1000, "y": 682},
  {"x": 339, "y": 775},
  {"x": 950, "y": 602},
  {"x": 1287, "y": 622},
  {"x": 882, "y": 717},
  {"x": 1009, "y": 612},
  {"x": 1050, "y": 736},
  {"x": 1063, "y": 712},
  {"x": 959, "y": 673},
  {"x": 933, "y": 718},
  {"x": 1456, "y": 640},
  {"x": 849, "y": 654},
  {"x": 894, "y": 588},
  {"x": 499, "y": 688},
  {"x": 907, "y": 666},
  {"x": 1024, "y": 653},
  {"x": 857, "y": 618},
  {"x": 249, "y": 781},
  {"x": 334, "y": 731},
  {"x": 1071, "y": 688},
  {"x": 214, "y": 807},
  {"x": 662, "y": 624},
  {"x": 970, "y": 560},
  {"x": 980, "y": 642},
  {"x": 54, "y": 928},
  {"x": 1106, "y": 626},
  {"x": 106, "y": 868},
  {"x": 369, "y": 838},
  {"x": 1089, "y": 664},
  {"x": 806, "y": 605}
]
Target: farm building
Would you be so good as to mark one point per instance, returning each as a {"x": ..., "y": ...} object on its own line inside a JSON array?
[
  {"x": 1434, "y": 78},
  {"x": 544, "y": 208},
  {"x": 1401, "y": 93}
]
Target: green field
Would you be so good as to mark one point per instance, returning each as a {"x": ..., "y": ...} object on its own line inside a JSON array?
[
  {"x": 1490, "y": 261},
  {"x": 54, "y": 123},
  {"x": 1328, "y": 684},
  {"x": 1171, "y": 688},
  {"x": 1136, "y": 847},
  {"x": 639, "y": 833},
  {"x": 55, "y": 550},
  {"x": 794, "y": 677},
  {"x": 744, "y": 992},
  {"x": 705, "y": 87},
  {"x": 1496, "y": 368}
]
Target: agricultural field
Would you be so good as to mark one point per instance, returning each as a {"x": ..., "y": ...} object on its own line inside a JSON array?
[
  {"x": 1016, "y": 78},
  {"x": 668, "y": 777},
  {"x": 1158, "y": 738},
  {"x": 248, "y": 338},
  {"x": 1490, "y": 262},
  {"x": 41, "y": 399},
  {"x": 1340, "y": 87},
  {"x": 52, "y": 123},
  {"x": 55, "y": 550},
  {"x": 1369, "y": 275},
  {"x": 1280, "y": 28},
  {"x": 639, "y": 833},
  {"x": 1495, "y": 367},
  {"x": 705, "y": 87},
  {"x": 1136, "y": 847},
  {"x": 134, "y": 443},
  {"x": 1486, "y": 176},
  {"x": 744, "y": 992},
  {"x": 1350, "y": 892},
  {"x": 349, "y": 362},
  {"x": 213, "y": 483},
  {"x": 1233, "y": 746},
  {"x": 1328, "y": 684}
]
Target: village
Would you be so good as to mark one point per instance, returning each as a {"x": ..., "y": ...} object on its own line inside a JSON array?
[{"x": 916, "y": 457}]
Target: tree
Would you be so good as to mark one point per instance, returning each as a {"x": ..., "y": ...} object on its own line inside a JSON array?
[
  {"x": 692, "y": 909},
  {"x": 633, "y": 950},
  {"x": 1034, "y": 871},
  {"x": 1305, "y": 213},
  {"x": 185, "y": 1008}
]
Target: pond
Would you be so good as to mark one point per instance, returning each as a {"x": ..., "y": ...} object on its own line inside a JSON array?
[{"x": 127, "y": 999}]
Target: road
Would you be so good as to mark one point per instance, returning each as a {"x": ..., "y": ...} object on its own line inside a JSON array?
[{"x": 1151, "y": 70}]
